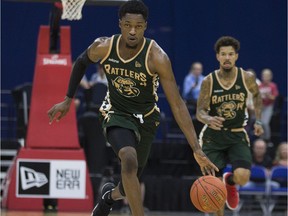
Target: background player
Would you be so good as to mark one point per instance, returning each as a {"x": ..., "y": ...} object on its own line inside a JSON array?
[{"x": 222, "y": 108}]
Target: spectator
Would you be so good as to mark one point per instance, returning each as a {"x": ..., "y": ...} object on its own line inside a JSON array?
[
  {"x": 261, "y": 158},
  {"x": 269, "y": 92},
  {"x": 192, "y": 84},
  {"x": 98, "y": 77},
  {"x": 80, "y": 96},
  {"x": 259, "y": 154},
  {"x": 281, "y": 157}
]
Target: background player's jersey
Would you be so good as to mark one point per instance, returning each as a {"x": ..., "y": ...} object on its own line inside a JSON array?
[
  {"x": 131, "y": 86},
  {"x": 229, "y": 103}
]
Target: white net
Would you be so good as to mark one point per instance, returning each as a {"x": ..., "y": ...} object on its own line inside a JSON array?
[{"x": 72, "y": 9}]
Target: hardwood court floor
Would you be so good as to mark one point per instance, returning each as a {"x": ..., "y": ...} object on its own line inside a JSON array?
[{"x": 228, "y": 213}]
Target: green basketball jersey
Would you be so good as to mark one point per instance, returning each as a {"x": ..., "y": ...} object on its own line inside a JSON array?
[
  {"x": 229, "y": 103},
  {"x": 131, "y": 86}
]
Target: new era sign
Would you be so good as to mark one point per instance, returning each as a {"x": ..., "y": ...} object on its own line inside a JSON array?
[
  {"x": 68, "y": 179},
  {"x": 33, "y": 178},
  {"x": 30, "y": 178},
  {"x": 51, "y": 178}
]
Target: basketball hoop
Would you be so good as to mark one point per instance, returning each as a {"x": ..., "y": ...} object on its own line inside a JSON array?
[{"x": 72, "y": 9}]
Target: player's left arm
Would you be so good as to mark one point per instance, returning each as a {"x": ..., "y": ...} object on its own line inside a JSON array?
[
  {"x": 159, "y": 63},
  {"x": 252, "y": 86}
]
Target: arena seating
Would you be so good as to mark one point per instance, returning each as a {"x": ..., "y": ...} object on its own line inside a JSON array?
[{"x": 278, "y": 195}]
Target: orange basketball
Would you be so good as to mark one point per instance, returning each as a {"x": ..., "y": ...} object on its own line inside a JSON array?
[{"x": 208, "y": 194}]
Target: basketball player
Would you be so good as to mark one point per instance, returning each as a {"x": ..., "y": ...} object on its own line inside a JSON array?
[
  {"x": 222, "y": 108},
  {"x": 130, "y": 116}
]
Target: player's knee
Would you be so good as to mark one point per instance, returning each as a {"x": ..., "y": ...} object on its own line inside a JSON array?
[
  {"x": 128, "y": 157},
  {"x": 241, "y": 176}
]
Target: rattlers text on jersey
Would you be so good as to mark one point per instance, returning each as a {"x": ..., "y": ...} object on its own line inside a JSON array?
[
  {"x": 131, "y": 86},
  {"x": 229, "y": 103}
]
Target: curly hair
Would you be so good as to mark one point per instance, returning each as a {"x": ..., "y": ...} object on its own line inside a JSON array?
[
  {"x": 227, "y": 41},
  {"x": 134, "y": 7}
]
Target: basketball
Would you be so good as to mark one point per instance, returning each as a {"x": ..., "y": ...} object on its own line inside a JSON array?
[{"x": 208, "y": 194}]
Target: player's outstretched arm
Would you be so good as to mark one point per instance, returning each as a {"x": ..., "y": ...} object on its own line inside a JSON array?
[
  {"x": 159, "y": 63},
  {"x": 96, "y": 51}
]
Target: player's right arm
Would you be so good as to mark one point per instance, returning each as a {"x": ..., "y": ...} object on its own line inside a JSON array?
[
  {"x": 96, "y": 51},
  {"x": 159, "y": 63},
  {"x": 203, "y": 106}
]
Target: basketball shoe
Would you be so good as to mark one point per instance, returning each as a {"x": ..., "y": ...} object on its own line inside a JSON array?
[
  {"x": 232, "y": 193},
  {"x": 103, "y": 208}
]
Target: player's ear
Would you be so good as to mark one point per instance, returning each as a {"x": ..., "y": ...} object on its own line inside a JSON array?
[
  {"x": 145, "y": 27},
  {"x": 119, "y": 23},
  {"x": 217, "y": 56},
  {"x": 236, "y": 56}
]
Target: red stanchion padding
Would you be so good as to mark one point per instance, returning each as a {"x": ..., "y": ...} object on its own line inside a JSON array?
[
  {"x": 39, "y": 174},
  {"x": 51, "y": 77}
]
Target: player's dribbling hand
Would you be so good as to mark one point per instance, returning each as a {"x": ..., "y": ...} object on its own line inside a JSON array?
[
  {"x": 61, "y": 108},
  {"x": 207, "y": 167},
  {"x": 216, "y": 122}
]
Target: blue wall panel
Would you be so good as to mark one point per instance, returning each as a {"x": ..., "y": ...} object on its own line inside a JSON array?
[{"x": 186, "y": 30}]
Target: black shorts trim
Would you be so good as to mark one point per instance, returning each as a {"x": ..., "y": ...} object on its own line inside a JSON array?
[{"x": 119, "y": 138}]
